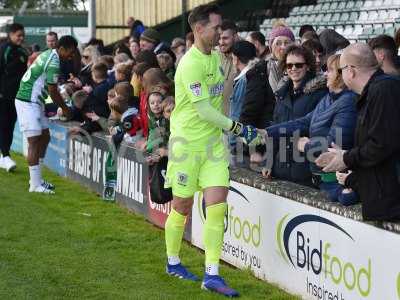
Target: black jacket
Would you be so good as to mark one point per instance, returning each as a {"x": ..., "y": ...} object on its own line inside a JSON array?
[
  {"x": 259, "y": 100},
  {"x": 375, "y": 158},
  {"x": 13, "y": 65},
  {"x": 290, "y": 105}
]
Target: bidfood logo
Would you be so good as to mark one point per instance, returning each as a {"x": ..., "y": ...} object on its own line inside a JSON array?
[
  {"x": 305, "y": 253},
  {"x": 236, "y": 226}
]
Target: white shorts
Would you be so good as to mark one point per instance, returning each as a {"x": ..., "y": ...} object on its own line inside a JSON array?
[{"x": 31, "y": 118}]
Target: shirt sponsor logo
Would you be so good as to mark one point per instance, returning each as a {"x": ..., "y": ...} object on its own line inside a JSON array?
[
  {"x": 196, "y": 88},
  {"x": 216, "y": 89}
]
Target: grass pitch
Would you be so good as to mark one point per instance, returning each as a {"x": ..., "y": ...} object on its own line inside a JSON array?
[{"x": 72, "y": 245}]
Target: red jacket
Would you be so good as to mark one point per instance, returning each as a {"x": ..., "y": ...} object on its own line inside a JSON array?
[{"x": 144, "y": 119}]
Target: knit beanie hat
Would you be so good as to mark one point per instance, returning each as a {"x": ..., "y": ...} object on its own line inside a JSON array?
[
  {"x": 151, "y": 35},
  {"x": 280, "y": 31}
]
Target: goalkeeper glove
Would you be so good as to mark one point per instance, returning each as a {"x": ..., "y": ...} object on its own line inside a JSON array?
[{"x": 248, "y": 132}]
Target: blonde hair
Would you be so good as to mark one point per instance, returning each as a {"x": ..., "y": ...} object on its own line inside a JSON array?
[
  {"x": 93, "y": 52},
  {"x": 333, "y": 62}
]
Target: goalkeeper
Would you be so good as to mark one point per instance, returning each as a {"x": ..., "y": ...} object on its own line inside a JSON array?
[{"x": 197, "y": 157}]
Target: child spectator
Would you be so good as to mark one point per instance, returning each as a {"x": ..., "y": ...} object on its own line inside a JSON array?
[
  {"x": 108, "y": 60},
  {"x": 168, "y": 106},
  {"x": 154, "y": 79},
  {"x": 129, "y": 128},
  {"x": 123, "y": 72},
  {"x": 117, "y": 105},
  {"x": 137, "y": 78},
  {"x": 97, "y": 100},
  {"x": 166, "y": 64},
  {"x": 110, "y": 95},
  {"x": 126, "y": 90},
  {"x": 157, "y": 123},
  {"x": 78, "y": 101}
]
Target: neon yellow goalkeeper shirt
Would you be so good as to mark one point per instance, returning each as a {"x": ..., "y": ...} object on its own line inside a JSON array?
[{"x": 198, "y": 77}]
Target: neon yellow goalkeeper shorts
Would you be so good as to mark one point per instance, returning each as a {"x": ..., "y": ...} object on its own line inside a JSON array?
[{"x": 189, "y": 171}]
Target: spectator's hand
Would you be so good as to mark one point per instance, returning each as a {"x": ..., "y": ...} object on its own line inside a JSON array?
[
  {"x": 332, "y": 160},
  {"x": 301, "y": 143},
  {"x": 341, "y": 177},
  {"x": 87, "y": 88},
  {"x": 266, "y": 173},
  {"x": 141, "y": 144},
  {"x": 92, "y": 116},
  {"x": 74, "y": 130}
]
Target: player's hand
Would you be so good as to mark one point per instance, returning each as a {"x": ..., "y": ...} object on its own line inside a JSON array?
[{"x": 249, "y": 134}]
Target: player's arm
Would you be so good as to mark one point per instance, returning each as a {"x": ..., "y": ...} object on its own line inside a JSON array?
[
  {"x": 57, "y": 99},
  {"x": 52, "y": 74}
]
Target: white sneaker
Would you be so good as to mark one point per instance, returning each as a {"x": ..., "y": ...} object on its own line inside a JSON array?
[
  {"x": 40, "y": 189},
  {"x": 8, "y": 164}
]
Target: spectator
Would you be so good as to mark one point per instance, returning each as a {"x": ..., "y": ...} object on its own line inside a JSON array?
[
  {"x": 189, "y": 40},
  {"x": 125, "y": 89},
  {"x": 258, "y": 40},
  {"x": 151, "y": 40},
  {"x": 137, "y": 78},
  {"x": 332, "y": 41},
  {"x": 157, "y": 123},
  {"x": 316, "y": 48},
  {"x": 166, "y": 64},
  {"x": 51, "y": 40},
  {"x": 122, "y": 48},
  {"x": 385, "y": 51},
  {"x": 89, "y": 57},
  {"x": 333, "y": 120},
  {"x": 136, "y": 27},
  {"x": 295, "y": 99},
  {"x": 98, "y": 43},
  {"x": 178, "y": 46},
  {"x": 13, "y": 60},
  {"x": 305, "y": 29},
  {"x": 244, "y": 58},
  {"x": 154, "y": 79},
  {"x": 108, "y": 60},
  {"x": 97, "y": 100},
  {"x": 309, "y": 35},
  {"x": 227, "y": 36},
  {"x": 134, "y": 47},
  {"x": 123, "y": 72},
  {"x": 78, "y": 101},
  {"x": 279, "y": 39},
  {"x": 148, "y": 57},
  {"x": 374, "y": 159},
  {"x": 35, "y": 49}
]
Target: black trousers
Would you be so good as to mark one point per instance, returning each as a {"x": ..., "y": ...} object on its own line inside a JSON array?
[{"x": 8, "y": 117}]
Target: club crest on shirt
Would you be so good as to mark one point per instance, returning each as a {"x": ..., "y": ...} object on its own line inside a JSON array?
[
  {"x": 182, "y": 178},
  {"x": 196, "y": 88}
]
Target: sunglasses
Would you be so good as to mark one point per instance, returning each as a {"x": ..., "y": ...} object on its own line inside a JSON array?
[
  {"x": 340, "y": 70},
  {"x": 297, "y": 65},
  {"x": 85, "y": 56}
]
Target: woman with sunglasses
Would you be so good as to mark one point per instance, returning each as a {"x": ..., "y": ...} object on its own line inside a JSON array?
[
  {"x": 90, "y": 56},
  {"x": 332, "y": 121},
  {"x": 296, "y": 98}
]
